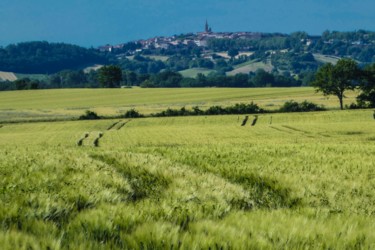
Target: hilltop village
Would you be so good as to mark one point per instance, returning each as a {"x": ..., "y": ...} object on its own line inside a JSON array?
[{"x": 199, "y": 39}]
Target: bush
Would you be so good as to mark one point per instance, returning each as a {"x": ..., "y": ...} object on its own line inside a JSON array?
[
  {"x": 89, "y": 115},
  {"x": 216, "y": 110},
  {"x": 366, "y": 99},
  {"x": 132, "y": 113},
  {"x": 238, "y": 108},
  {"x": 305, "y": 106},
  {"x": 242, "y": 108}
]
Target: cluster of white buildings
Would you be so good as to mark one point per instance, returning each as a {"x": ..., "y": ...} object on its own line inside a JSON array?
[{"x": 199, "y": 39}]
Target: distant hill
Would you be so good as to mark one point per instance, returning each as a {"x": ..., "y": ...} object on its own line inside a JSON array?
[
  {"x": 44, "y": 57},
  {"x": 295, "y": 53}
]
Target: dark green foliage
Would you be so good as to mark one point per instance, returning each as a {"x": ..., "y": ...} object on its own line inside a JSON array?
[
  {"x": 147, "y": 84},
  {"x": 110, "y": 76},
  {"x": 232, "y": 52},
  {"x": 293, "y": 61},
  {"x": 89, "y": 115},
  {"x": 132, "y": 113},
  {"x": 263, "y": 78},
  {"x": 216, "y": 110},
  {"x": 243, "y": 108},
  {"x": 357, "y": 45},
  {"x": 305, "y": 106},
  {"x": 336, "y": 79},
  {"x": 367, "y": 96},
  {"x": 26, "y": 83},
  {"x": 238, "y": 108},
  {"x": 44, "y": 57},
  {"x": 142, "y": 65},
  {"x": 167, "y": 79}
]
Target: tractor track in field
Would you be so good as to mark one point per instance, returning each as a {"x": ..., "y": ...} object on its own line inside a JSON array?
[
  {"x": 86, "y": 136},
  {"x": 80, "y": 141},
  {"x": 245, "y": 120},
  {"x": 289, "y": 130},
  {"x": 122, "y": 125},
  {"x": 113, "y": 125},
  {"x": 96, "y": 141}
]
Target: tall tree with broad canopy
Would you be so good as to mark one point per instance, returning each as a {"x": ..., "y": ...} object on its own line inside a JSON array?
[
  {"x": 367, "y": 96},
  {"x": 110, "y": 76},
  {"x": 336, "y": 79}
]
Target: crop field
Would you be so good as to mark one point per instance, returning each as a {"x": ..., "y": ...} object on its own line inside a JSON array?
[
  {"x": 326, "y": 59},
  {"x": 195, "y": 71},
  {"x": 71, "y": 103},
  {"x": 7, "y": 76},
  {"x": 295, "y": 181},
  {"x": 247, "y": 67}
]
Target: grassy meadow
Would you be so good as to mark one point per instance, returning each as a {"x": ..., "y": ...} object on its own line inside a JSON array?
[{"x": 295, "y": 181}]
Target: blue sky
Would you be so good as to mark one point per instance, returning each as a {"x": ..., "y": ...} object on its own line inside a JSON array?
[{"x": 93, "y": 22}]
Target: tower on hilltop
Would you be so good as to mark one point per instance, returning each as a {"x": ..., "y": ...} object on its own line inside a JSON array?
[{"x": 207, "y": 28}]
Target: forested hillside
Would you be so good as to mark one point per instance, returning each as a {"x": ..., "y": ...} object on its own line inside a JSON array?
[
  {"x": 46, "y": 58},
  {"x": 227, "y": 59}
]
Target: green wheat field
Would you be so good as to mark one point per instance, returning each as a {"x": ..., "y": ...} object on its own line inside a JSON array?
[{"x": 291, "y": 181}]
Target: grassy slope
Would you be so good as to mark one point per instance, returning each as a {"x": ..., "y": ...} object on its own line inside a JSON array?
[
  {"x": 7, "y": 76},
  {"x": 251, "y": 66},
  {"x": 326, "y": 59},
  {"x": 195, "y": 71},
  {"x": 161, "y": 58},
  {"x": 44, "y": 104},
  {"x": 193, "y": 182}
]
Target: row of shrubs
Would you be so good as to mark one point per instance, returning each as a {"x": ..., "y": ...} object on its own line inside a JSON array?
[{"x": 236, "y": 109}]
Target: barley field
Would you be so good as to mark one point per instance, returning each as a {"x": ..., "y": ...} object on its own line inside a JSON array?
[
  {"x": 65, "y": 104},
  {"x": 290, "y": 181}
]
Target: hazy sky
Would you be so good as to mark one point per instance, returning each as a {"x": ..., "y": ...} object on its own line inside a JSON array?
[{"x": 93, "y": 22}]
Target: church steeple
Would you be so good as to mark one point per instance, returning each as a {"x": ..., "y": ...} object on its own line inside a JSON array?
[{"x": 206, "y": 27}]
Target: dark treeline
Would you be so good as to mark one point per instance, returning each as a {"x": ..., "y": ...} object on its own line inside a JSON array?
[
  {"x": 165, "y": 79},
  {"x": 170, "y": 79},
  {"x": 236, "y": 109}
]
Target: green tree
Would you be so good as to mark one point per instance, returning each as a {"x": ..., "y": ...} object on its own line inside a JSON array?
[
  {"x": 232, "y": 52},
  {"x": 110, "y": 76},
  {"x": 367, "y": 96},
  {"x": 263, "y": 78},
  {"x": 22, "y": 84},
  {"x": 336, "y": 79},
  {"x": 167, "y": 79}
]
